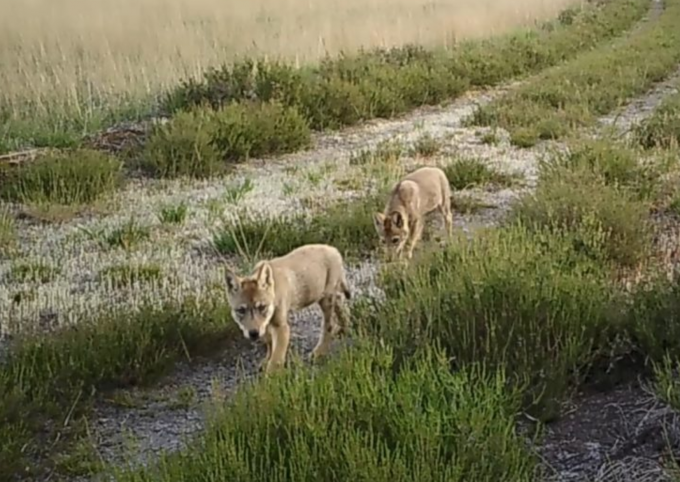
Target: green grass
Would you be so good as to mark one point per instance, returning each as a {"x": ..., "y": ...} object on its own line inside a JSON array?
[
  {"x": 615, "y": 164},
  {"x": 360, "y": 418},
  {"x": 55, "y": 375},
  {"x": 173, "y": 213},
  {"x": 125, "y": 236},
  {"x": 388, "y": 151},
  {"x": 560, "y": 100},
  {"x": 74, "y": 177},
  {"x": 662, "y": 128},
  {"x": 347, "y": 226},
  {"x": 603, "y": 222},
  {"x": 515, "y": 298},
  {"x": 130, "y": 274},
  {"x": 8, "y": 234},
  {"x": 464, "y": 173},
  {"x": 427, "y": 146},
  {"x": 39, "y": 272},
  {"x": 383, "y": 83}
]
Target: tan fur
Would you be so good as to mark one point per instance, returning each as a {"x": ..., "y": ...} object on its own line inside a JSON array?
[
  {"x": 419, "y": 193},
  {"x": 260, "y": 302}
]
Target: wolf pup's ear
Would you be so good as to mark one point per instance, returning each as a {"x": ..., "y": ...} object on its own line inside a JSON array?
[
  {"x": 265, "y": 276},
  {"x": 398, "y": 220},
  {"x": 233, "y": 281},
  {"x": 378, "y": 222}
]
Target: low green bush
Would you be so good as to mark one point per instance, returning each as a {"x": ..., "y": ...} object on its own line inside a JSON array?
[
  {"x": 247, "y": 130},
  {"x": 603, "y": 222},
  {"x": 72, "y": 177},
  {"x": 662, "y": 128},
  {"x": 516, "y": 299},
  {"x": 358, "y": 419},
  {"x": 347, "y": 226},
  {"x": 183, "y": 147}
]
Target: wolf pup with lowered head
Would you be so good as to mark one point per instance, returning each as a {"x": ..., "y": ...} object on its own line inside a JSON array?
[
  {"x": 416, "y": 195},
  {"x": 260, "y": 302}
]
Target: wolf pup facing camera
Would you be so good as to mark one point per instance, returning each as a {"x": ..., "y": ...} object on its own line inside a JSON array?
[
  {"x": 261, "y": 301},
  {"x": 419, "y": 193}
]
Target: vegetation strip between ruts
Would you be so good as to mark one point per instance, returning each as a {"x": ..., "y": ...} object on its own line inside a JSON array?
[{"x": 560, "y": 100}]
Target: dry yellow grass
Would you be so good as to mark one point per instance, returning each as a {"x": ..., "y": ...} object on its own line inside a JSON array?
[{"x": 62, "y": 52}]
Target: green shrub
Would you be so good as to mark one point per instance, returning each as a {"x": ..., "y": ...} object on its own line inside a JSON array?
[
  {"x": 662, "y": 128},
  {"x": 615, "y": 164},
  {"x": 464, "y": 173},
  {"x": 46, "y": 375},
  {"x": 347, "y": 226},
  {"x": 72, "y": 177},
  {"x": 183, "y": 147},
  {"x": 654, "y": 318},
  {"x": 356, "y": 419},
  {"x": 518, "y": 300},
  {"x": 385, "y": 82},
  {"x": 254, "y": 130},
  {"x": 603, "y": 222}
]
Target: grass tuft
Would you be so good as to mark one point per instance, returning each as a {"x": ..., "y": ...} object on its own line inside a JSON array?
[
  {"x": 74, "y": 177},
  {"x": 514, "y": 298},
  {"x": 464, "y": 173},
  {"x": 38, "y": 272},
  {"x": 347, "y": 226},
  {"x": 662, "y": 128},
  {"x": 8, "y": 234},
  {"x": 603, "y": 222},
  {"x": 173, "y": 213},
  {"x": 125, "y": 275}
]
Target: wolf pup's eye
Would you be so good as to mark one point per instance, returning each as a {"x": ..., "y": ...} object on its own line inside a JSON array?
[
  {"x": 262, "y": 308},
  {"x": 395, "y": 240},
  {"x": 241, "y": 310}
]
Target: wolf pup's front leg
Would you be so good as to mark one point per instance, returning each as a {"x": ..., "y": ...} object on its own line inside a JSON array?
[
  {"x": 268, "y": 343},
  {"x": 280, "y": 335}
]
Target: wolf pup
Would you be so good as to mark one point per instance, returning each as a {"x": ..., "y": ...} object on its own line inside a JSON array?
[
  {"x": 416, "y": 195},
  {"x": 260, "y": 302}
]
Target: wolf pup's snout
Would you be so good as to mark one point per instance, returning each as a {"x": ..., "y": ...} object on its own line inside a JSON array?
[{"x": 253, "y": 334}]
